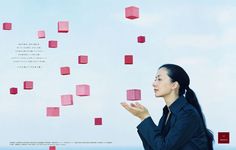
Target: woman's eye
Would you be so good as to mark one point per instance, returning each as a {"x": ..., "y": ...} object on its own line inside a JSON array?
[{"x": 159, "y": 79}]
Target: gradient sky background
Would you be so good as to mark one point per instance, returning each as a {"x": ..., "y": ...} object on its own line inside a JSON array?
[{"x": 198, "y": 35}]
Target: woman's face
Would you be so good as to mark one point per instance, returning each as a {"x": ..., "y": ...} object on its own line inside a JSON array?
[{"x": 162, "y": 83}]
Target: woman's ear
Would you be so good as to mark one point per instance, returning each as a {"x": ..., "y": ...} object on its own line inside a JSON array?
[{"x": 175, "y": 85}]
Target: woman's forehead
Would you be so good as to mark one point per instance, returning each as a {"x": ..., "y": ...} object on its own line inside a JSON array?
[{"x": 161, "y": 72}]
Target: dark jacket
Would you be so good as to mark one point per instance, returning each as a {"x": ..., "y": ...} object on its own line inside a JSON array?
[{"x": 184, "y": 129}]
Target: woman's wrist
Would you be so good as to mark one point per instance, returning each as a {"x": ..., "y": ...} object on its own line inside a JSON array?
[{"x": 144, "y": 117}]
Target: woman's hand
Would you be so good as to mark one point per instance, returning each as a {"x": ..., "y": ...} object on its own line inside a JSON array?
[{"x": 136, "y": 109}]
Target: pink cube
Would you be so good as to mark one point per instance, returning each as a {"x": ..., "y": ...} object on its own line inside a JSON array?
[
  {"x": 28, "y": 85},
  {"x": 97, "y": 121},
  {"x": 66, "y": 100},
  {"x": 134, "y": 94},
  {"x": 13, "y": 90},
  {"x": 82, "y": 90},
  {"x": 141, "y": 39},
  {"x": 7, "y": 26},
  {"x": 63, "y": 26},
  {"x": 41, "y": 34},
  {"x": 52, "y": 147},
  {"x": 65, "y": 70},
  {"x": 83, "y": 59},
  {"x": 128, "y": 59},
  {"x": 132, "y": 12},
  {"x": 53, "y": 111},
  {"x": 52, "y": 44}
]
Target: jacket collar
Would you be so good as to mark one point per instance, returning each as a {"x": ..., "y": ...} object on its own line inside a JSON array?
[{"x": 176, "y": 105}]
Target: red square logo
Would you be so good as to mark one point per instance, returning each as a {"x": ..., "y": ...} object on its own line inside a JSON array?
[{"x": 223, "y": 137}]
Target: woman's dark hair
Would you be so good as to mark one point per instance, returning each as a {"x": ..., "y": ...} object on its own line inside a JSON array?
[{"x": 177, "y": 73}]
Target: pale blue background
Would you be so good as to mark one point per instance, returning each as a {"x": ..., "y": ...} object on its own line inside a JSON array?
[{"x": 198, "y": 35}]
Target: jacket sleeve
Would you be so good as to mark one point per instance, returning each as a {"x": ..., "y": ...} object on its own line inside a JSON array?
[
  {"x": 145, "y": 143},
  {"x": 157, "y": 131},
  {"x": 178, "y": 135}
]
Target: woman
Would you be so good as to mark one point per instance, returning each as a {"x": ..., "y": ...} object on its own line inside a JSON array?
[{"x": 182, "y": 125}]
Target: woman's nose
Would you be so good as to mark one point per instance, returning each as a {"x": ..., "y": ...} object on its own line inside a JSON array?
[{"x": 154, "y": 84}]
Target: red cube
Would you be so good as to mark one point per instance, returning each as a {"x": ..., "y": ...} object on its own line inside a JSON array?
[
  {"x": 97, "y": 121},
  {"x": 52, "y": 44},
  {"x": 13, "y": 90},
  {"x": 53, "y": 111},
  {"x": 7, "y": 26},
  {"x": 133, "y": 94},
  {"x": 83, "y": 59},
  {"x": 41, "y": 34},
  {"x": 63, "y": 26},
  {"x": 65, "y": 70},
  {"x": 132, "y": 12},
  {"x": 28, "y": 85},
  {"x": 82, "y": 90},
  {"x": 66, "y": 100},
  {"x": 52, "y": 147},
  {"x": 128, "y": 59},
  {"x": 141, "y": 39},
  {"x": 223, "y": 137}
]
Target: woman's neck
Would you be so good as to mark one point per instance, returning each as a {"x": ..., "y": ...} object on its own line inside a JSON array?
[{"x": 169, "y": 99}]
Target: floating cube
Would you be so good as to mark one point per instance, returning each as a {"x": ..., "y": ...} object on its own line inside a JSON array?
[
  {"x": 7, "y": 26},
  {"x": 134, "y": 94},
  {"x": 65, "y": 70},
  {"x": 128, "y": 59},
  {"x": 52, "y": 44},
  {"x": 28, "y": 85},
  {"x": 66, "y": 100},
  {"x": 13, "y": 90},
  {"x": 223, "y": 137},
  {"x": 41, "y": 34},
  {"x": 97, "y": 121},
  {"x": 132, "y": 12},
  {"x": 53, "y": 111},
  {"x": 83, "y": 59},
  {"x": 52, "y": 147},
  {"x": 82, "y": 90},
  {"x": 141, "y": 39},
  {"x": 63, "y": 26}
]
